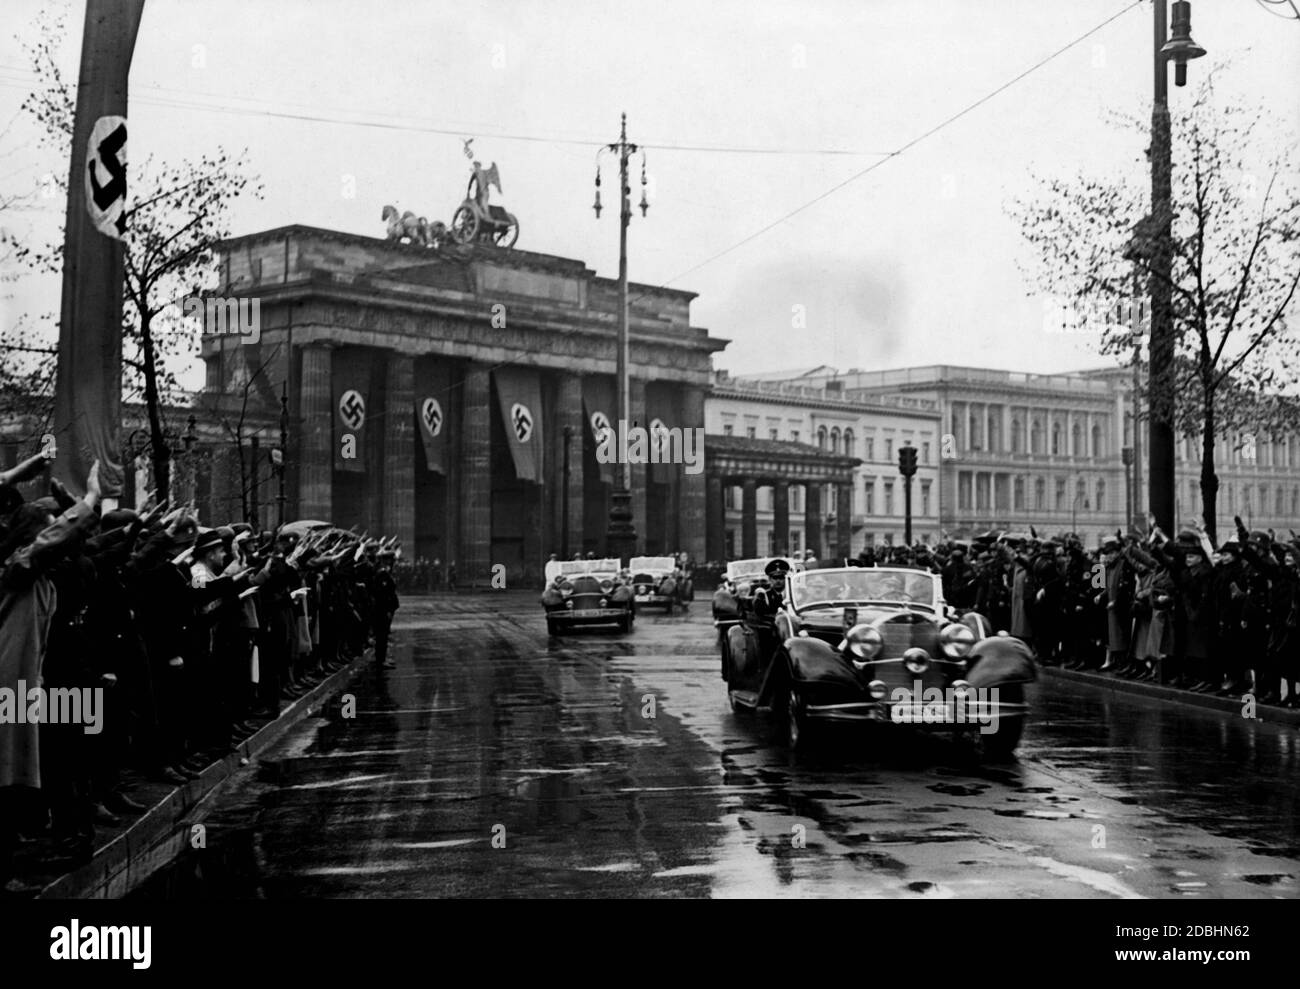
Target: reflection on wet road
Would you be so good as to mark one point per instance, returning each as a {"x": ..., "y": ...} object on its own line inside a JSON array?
[{"x": 497, "y": 762}]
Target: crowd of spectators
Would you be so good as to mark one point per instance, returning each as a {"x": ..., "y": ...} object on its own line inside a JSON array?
[{"x": 193, "y": 635}]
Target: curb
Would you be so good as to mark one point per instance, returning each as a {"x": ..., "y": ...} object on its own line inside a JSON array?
[
  {"x": 1226, "y": 705},
  {"x": 159, "y": 834}
]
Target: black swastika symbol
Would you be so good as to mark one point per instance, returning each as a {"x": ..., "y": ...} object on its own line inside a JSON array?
[
  {"x": 352, "y": 409},
  {"x": 523, "y": 420},
  {"x": 432, "y": 416},
  {"x": 105, "y": 195}
]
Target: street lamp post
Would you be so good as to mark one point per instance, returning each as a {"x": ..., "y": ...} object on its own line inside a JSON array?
[
  {"x": 1180, "y": 48},
  {"x": 621, "y": 536},
  {"x": 281, "y": 465},
  {"x": 1126, "y": 455}
]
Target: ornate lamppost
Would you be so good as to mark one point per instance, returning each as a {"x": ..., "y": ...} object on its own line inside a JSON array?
[{"x": 620, "y": 537}]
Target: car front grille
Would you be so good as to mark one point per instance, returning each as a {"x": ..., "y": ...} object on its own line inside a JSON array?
[{"x": 902, "y": 634}]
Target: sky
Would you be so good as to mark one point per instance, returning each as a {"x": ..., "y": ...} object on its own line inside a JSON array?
[{"x": 747, "y": 111}]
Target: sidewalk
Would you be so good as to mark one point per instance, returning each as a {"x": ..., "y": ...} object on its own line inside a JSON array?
[
  {"x": 1228, "y": 705},
  {"x": 126, "y": 856}
]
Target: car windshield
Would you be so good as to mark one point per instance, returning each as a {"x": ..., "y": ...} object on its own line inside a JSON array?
[
  {"x": 747, "y": 569},
  {"x": 860, "y": 586}
]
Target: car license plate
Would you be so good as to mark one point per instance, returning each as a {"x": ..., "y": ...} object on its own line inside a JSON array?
[{"x": 933, "y": 713}]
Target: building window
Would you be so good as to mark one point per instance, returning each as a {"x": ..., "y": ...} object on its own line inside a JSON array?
[
  {"x": 730, "y": 541},
  {"x": 1040, "y": 494},
  {"x": 889, "y": 450},
  {"x": 848, "y": 442},
  {"x": 729, "y": 497},
  {"x": 1076, "y": 435},
  {"x": 796, "y": 541},
  {"x": 772, "y": 434},
  {"x": 889, "y": 497},
  {"x": 1096, "y": 450},
  {"x": 771, "y": 542},
  {"x": 821, "y": 437},
  {"x": 751, "y": 432},
  {"x": 925, "y": 497},
  {"x": 925, "y": 452},
  {"x": 728, "y": 430},
  {"x": 871, "y": 448},
  {"x": 1018, "y": 496},
  {"x": 964, "y": 490},
  {"x": 1295, "y": 502},
  {"x": 1060, "y": 494},
  {"x": 794, "y": 436},
  {"x": 1277, "y": 502},
  {"x": 1056, "y": 439},
  {"x": 796, "y": 499},
  {"x": 869, "y": 497},
  {"x": 1101, "y": 494},
  {"x": 1017, "y": 436}
]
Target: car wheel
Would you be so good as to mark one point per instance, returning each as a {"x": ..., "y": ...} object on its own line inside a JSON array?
[{"x": 798, "y": 730}]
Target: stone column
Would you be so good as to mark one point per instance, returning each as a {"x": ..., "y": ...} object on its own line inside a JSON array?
[
  {"x": 475, "y": 466},
  {"x": 781, "y": 516},
  {"x": 692, "y": 524},
  {"x": 399, "y": 451},
  {"x": 844, "y": 519},
  {"x": 316, "y": 435},
  {"x": 569, "y": 400},
  {"x": 749, "y": 519},
  {"x": 812, "y": 518},
  {"x": 715, "y": 521}
]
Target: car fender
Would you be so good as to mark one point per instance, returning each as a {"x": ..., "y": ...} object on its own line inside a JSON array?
[
  {"x": 1000, "y": 659},
  {"x": 725, "y": 606},
  {"x": 551, "y": 598},
  {"x": 811, "y": 660}
]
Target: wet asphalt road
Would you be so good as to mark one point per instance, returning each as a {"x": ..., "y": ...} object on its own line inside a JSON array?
[{"x": 495, "y": 762}]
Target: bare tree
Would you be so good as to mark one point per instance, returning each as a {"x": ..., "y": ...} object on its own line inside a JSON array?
[
  {"x": 1236, "y": 251},
  {"x": 180, "y": 214}
]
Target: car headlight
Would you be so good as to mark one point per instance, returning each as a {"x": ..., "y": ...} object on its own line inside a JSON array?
[
  {"x": 916, "y": 659},
  {"x": 956, "y": 640},
  {"x": 877, "y": 689},
  {"x": 863, "y": 641}
]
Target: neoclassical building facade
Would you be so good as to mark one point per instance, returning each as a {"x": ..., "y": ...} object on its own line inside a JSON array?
[{"x": 432, "y": 393}]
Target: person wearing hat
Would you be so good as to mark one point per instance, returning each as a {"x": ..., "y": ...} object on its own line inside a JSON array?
[
  {"x": 960, "y": 581},
  {"x": 1195, "y": 582},
  {"x": 1269, "y": 603},
  {"x": 1229, "y": 606},
  {"x": 384, "y": 603},
  {"x": 1047, "y": 587},
  {"x": 768, "y": 600}
]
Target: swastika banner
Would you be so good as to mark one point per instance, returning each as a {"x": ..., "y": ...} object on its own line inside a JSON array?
[
  {"x": 432, "y": 397},
  {"x": 350, "y": 374},
  {"x": 519, "y": 395},
  {"x": 87, "y": 390}
]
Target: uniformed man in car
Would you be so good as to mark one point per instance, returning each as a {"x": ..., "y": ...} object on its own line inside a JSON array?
[{"x": 768, "y": 600}]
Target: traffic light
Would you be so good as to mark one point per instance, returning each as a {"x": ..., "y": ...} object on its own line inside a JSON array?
[{"x": 907, "y": 460}]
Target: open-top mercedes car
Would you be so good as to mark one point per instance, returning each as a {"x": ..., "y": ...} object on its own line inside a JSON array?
[
  {"x": 586, "y": 592},
  {"x": 876, "y": 644},
  {"x": 658, "y": 582}
]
